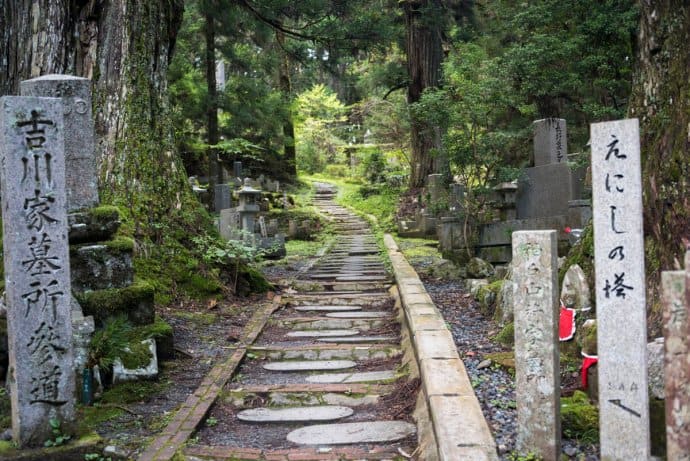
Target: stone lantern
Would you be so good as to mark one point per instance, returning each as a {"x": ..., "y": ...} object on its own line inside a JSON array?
[{"x": 248, "y": 206}]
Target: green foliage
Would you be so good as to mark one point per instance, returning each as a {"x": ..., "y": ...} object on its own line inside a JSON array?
[
  {"x": 109, "y": 343},
  {"x": 506, "y": 335},
  {"x": 373, "y": 166},
  {"x": 579, "y": 418},
  {"x": 58, "y": 437}
]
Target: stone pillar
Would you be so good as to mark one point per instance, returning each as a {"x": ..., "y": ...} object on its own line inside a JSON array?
[
  {"x": 222, "y": 198},
  {"x": 676, "y": 355},
  {"x": 81, "y": 175},
  {"x": 550, "y": 141},
  {"x": 620, "y": 291},
  {"x": 237, "y": 168},
  {"x": 37, "y": 266},
  {"x": 537, "y": 375}
]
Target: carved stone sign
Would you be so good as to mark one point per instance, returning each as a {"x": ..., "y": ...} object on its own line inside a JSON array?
[
  {"x": 81, "y": 177},
  {"x": 37, "y": 270},
  {"x": 620, "y": 290},
  {"x": 550, "y": 141},
  {"x": 537, "y": 378}
]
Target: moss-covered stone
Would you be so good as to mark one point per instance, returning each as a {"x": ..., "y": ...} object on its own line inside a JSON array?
[
  {"x": 503, "y": 359},
  {"x": 162, "y": 332},
  {"x": 94, "y": 225},
  {"x": 102, "y": 266},
  {"x": 579, "y": 418},
  {"x": 506, "y": 335},
  {"x": 134, "y": 301},
  {"x": 589, "y": 340},
  {"x": 251, "y": 280},
  {"x": 487, "y": 296}
]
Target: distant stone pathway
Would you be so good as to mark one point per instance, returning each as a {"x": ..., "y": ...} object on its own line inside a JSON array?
[{"x": 318, "y": 381}]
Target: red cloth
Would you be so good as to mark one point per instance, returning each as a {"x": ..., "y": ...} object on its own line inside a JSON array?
[
  {"x": 587, "y": 362},
  {"x": 566, "y": 324}
]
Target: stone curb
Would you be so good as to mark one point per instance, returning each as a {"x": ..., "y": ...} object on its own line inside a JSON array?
[
  {"x": 292, "y": 454},
  {"x": 459, "y": 426},
  {"x": 194, "y": 409}
]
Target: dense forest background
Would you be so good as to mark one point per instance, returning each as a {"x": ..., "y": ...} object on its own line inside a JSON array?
[{"x": 379, "y": 91}]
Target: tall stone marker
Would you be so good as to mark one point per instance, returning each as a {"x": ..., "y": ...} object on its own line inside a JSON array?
[
  {"x": 81, "y": 175},
  {"x": 550, "y": 141},
  {"x": 676, "y": 356},
  {"x": 537, "y": 376},
  {"x": 37, "y": 271},
  {"x": 620, "y": 291}
]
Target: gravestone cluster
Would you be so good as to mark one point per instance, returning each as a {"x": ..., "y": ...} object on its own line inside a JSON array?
[{"x": 65, "y": 269}]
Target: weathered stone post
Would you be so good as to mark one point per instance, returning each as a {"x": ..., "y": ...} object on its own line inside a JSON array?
[
  {"x": 676, "y": 299},
  {"x": 550, "y": 141},
  {"x": 81, "y": 177},
  {"x": 37, "y": 270},
  {"x": 620, "y": 291},
  {"x": 537, "y": 376}
]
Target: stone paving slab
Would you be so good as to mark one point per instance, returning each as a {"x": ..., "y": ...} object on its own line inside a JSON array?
[
  {"x": 352, "y": 433},
  {"x": 358, "y": 339},
  {"x": 364, "y": 377},
  {"x": 321, "y": 333},
  {"x": 228, "y": 453},
  {"x": 328, "y": 308},
  {"x": 295, "y": 414},
  {"x": 359, "y": 315},
  {"x": 361, "y": 278},
  {"x": 309, "y": 365}
]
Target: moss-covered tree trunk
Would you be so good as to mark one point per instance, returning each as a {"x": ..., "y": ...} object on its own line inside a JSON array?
[
  {"x": 661, "y": 100},
  {"x": 423, "y": 21},
  {"x": 124, "y": 46}
]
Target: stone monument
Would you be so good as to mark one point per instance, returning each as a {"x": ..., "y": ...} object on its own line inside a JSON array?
[
  {"x": 37, "y": 266},
  {"x": 620, "y": 290},
  {"x": 537, "y": 375}
]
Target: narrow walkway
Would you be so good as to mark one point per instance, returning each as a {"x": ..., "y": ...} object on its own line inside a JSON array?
[{"x": 324, "y": 378}]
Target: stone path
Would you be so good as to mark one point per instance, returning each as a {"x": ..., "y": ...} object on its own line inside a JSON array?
[{"x": 341, "y": 318}]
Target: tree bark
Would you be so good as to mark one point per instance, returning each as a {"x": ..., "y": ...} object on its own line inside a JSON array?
[
  {"x": 215, "y": 168},
  {"x": 423, "y": 21},
  {"x": 289, "y": 151},
  {"x": 124, "y": 47},
  {"x": 661, "y": 100}
]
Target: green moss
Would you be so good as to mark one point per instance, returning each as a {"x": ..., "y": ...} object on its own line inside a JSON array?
[
  {"x": 138, "y": 355},
  {"x": 589, "y": 341},
  {"x": 6, "y": 445},
  {"x": 254, "y": 280},
  {"x": 158, "y": 329},
  {"x": 5, "y": 410},
  {"x": 105, "y": 213},
  {"x": 582, "y": 254},
  {"x": 120, "y": 244},
  {"x": 200, "y": 318},
  {"x": 90, "y": 417},
  {"x": 133, "y": 391},
  {"x": 579, "y": 418},
  {"x": 111, "y": 302},
  {"x": 503, "y": 359},
  {"x": 487, "y": 296},
  {"x": 506, "y": 335}
]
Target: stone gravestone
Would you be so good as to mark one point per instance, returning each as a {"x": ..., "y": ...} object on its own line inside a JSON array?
[
  {"x": 222, "y": 197},
  {"x": 229, "y": 223},
  {"x": 550, "y": 144},
  {"x": 237, "y": 168},
  {"x": 677, "y": 352},
  {"x": 620, "y": 290},
  {"x": 81, "y": 178},
  {"x": 537, "y": 375},
  {"x": 37, "y": 270}
]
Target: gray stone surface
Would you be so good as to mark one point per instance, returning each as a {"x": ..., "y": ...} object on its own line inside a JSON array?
[
  {"x": 81, "y": 176},
  {"x": 575, "y": 292},
  {"x": 677, "y": 351},
  {"x": 655, "y": 367},
  {"x": 350, "y": 433},
  {"x": 321, "y": 333},
  {"x": 150, "y": 371},
  {"x": 99, "y": 267},
  {"x": 357, "y": 339},
  {"x": 326, "y": 308},
  {"x": 295, "y": 414},
  {"x": 222, "y": 198},
  {"x": 358, "y": 315},
  {"x": 229, "y": 223},
  {"x": 37, "y": 268},
  {"x": 364, "y": 377},
  {"x": 620, "y": 290},
  {"x": 477, "y": 268},
  {"x": 544, "y": 191},
  {"x": 500, "y": 233},
  {"x": 309, "y": 365},
  {"x": 537, "y": 376},
  {"x": 550, "y": 141}
]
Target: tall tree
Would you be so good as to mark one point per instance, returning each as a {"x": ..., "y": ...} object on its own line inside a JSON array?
[
  {"x": 124, "y": 46},
  {"x": 424, "y": 26},
  {"x": 661, "y": 100}
]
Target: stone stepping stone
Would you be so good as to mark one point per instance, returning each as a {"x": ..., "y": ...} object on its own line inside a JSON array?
[
  {"x": 349, "y": 378},
  {"x": 357, "y": 339},
  {"x": 358, "y": 315},
  {"x": 295, "y": 414},
  {"x": 321, "y": 333},
  {"x": 309, "y": 365},
  {"x": 352, "y": 433},
  {"x": 363, "y": 278},
  {"x": 326, "y": 308}
]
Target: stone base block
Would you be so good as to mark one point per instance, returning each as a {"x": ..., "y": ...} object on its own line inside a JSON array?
[
  {"x": 102, "y": 266},
  {"x": 135, "y": 301},
  {"x": 94, "y": 225}
]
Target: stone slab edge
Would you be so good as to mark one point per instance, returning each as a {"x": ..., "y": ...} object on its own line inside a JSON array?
[
  {"x": 444, "y": 378},
  {"x": 193, "y": 411}
]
